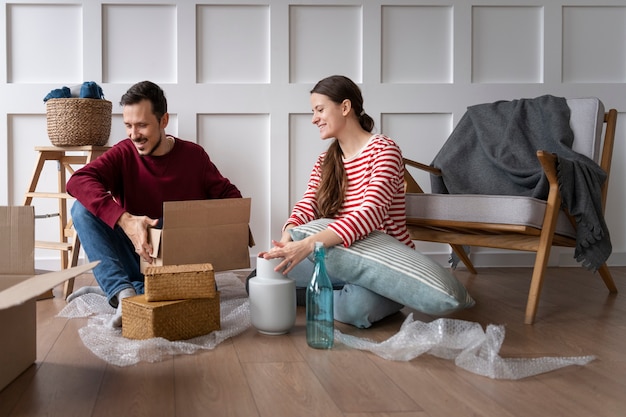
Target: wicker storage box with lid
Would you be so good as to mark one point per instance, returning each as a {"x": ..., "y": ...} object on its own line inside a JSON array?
[
  {"x": 172, "y": 320},
  {"x": 78, "y": 121},
  {"x": 180, "y": 302},
  {"x": 179, "y": 282}
]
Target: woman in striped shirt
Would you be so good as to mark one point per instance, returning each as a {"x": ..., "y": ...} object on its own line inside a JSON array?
[{"x": 358, "y": 182}]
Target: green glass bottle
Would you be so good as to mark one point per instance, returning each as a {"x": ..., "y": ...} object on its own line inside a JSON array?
[{"x": 320, "y": 325}]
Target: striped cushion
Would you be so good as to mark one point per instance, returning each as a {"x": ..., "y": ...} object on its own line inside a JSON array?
[{"x": 382, "y": 264}]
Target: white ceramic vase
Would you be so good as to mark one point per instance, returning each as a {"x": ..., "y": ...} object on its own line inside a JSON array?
[{"x": 272, "y": 299}]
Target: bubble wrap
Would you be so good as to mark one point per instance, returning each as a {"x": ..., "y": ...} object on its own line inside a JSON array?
[
  {"x": 465, "y": 342},
  {"x": 109, "y": 344}
]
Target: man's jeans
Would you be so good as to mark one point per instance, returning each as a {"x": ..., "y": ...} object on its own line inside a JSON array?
[
  {"x": 119, "y": 264},
  {"x": 353, "y": 304}
]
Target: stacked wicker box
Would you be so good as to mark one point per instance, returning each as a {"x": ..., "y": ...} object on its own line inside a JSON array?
[{"x": 180, "y": 302}]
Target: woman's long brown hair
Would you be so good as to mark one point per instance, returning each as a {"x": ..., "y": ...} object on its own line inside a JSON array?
[{"x": 332, "y": 190}]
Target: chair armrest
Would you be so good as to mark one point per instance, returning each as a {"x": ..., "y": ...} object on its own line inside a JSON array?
[
  {"x": 423, "y": 167},
  {"x": 410, "y": 185},
  {"x": 548, "y": 163}
]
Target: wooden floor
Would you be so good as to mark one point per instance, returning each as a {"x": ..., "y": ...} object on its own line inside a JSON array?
[{"x": 274, "y": 376}]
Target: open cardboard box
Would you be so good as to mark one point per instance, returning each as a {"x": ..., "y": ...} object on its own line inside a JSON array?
[
  {"x": 18, "y": 289},
  {"x": 203, "y": 231}
]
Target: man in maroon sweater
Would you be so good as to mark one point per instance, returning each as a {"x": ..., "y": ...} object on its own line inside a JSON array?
[{"x": 120, "y": 194}]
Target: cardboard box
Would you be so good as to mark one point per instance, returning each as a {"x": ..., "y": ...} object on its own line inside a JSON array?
[
  {"x": 172, "y": 320},
  {"x": 19, "y": 288},
  {"x": 203, "y": 231}
]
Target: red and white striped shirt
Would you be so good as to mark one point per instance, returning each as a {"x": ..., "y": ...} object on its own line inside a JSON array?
[{"x": 374, "y": 199}]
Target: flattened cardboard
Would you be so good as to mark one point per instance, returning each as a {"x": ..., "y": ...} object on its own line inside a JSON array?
[
  {"x": 19, "y": 288},
  {"x": 204, "y": 231},
  {"x": 30, "y": 287}
]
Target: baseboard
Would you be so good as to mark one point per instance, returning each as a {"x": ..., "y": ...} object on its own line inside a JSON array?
[
  {"x": 616, "y": 259},
  {"x": 482, "y": 258}
]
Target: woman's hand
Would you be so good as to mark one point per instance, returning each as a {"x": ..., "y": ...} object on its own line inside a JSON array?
[
  {"x": 294, "y": 252},
  {"x": 291, "y": 252},
  {"x": 136, "y": 228}
]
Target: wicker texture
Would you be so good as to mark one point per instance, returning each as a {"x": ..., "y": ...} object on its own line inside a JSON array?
[
  {"x": 78, "y": 121},
  {"x": 172, "y": 320},
  {"x": 179, "y": 282}
]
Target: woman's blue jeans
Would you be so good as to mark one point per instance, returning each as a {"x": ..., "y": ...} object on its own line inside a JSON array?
[
  {"x": 119, "y": 264},
  {"x": 353, "y": 304}
]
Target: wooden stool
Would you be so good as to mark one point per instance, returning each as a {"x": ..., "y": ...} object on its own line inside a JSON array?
[{"x": 68, "y": 244}]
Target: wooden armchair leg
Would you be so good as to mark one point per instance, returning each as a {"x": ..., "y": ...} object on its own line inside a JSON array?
[
  {"x": 460, "y": 252},
  {"x": 536, "y": 282},
  {"x": 533, "y": 295},
  {"x": 607, "y": 278}
]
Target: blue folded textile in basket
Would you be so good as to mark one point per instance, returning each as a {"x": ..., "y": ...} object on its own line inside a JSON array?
[
  {"x": 63, "y": 92},
  {"x": 89, "y": 89}
]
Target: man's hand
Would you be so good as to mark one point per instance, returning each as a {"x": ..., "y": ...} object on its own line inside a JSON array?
[{"x": 136, "y": 228}]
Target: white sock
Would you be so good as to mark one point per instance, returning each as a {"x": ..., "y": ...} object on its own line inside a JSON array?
[
  {"x": 116, "y": 321},
  {"x": 85, "y": 290}
]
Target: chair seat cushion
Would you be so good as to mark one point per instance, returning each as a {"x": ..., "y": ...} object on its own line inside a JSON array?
[
  {"x": 523, "y": 211},
  {"x": 388, "y": 267}
]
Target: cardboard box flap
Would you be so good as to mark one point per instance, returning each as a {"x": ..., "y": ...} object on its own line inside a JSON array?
[
  {"x": 17, "y": 242},
  {"x": 7, "y": 281},
  {"x": 154, "y": 237},
  {"x": 33, "y": 286},
  {"x": 206, "y": 212}
]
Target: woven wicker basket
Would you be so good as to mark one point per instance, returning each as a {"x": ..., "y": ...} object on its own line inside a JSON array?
[
  {"x": 179, "y": 282},
  {"x": 172, "y": 320},
  {"x": 78, "y": 121}
]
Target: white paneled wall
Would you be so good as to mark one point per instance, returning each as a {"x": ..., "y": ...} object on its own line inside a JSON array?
[
  {"x": 428, "y": 57},
  {"x": 238, "y": 74},
  {"x": 137, "y": 38},
  {"x": 231, "y": 52},
  {"x": 507, "y": 44}
]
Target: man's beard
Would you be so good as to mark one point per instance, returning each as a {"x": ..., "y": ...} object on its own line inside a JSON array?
[{"x": 155, "y": 147}]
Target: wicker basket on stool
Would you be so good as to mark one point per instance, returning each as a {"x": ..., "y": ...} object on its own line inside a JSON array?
[{"x": 78, "y": 121}]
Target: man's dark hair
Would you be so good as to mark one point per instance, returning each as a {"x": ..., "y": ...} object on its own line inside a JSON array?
[{"x": 147, "y": 90}]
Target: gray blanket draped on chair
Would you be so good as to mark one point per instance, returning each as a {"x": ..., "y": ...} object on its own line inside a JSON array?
[{"x": 492, "y": 151}]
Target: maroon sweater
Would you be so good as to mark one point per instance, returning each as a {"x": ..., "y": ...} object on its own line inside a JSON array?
[{"x": 122, "y": 180}]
